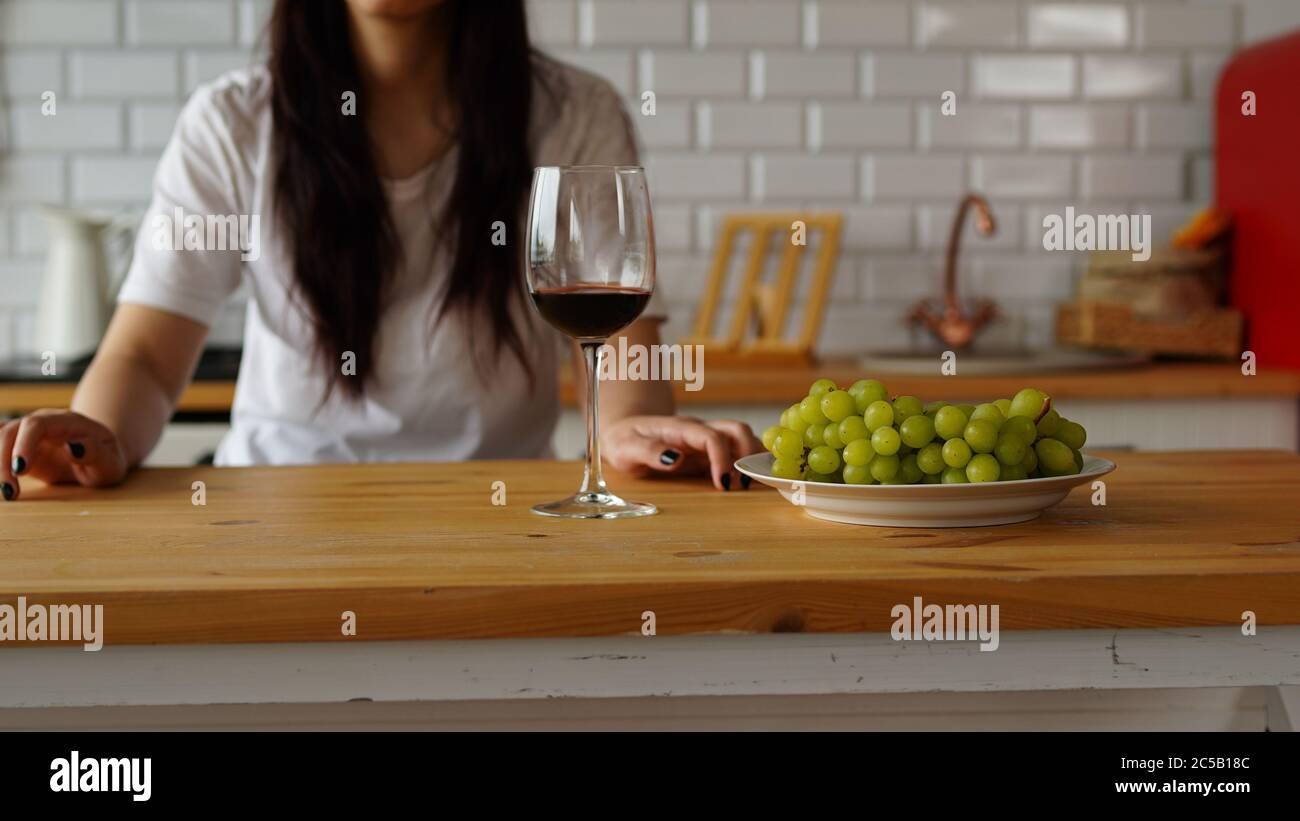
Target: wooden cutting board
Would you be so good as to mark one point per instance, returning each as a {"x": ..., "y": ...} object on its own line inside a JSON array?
[{"x": 420, "y": 551}]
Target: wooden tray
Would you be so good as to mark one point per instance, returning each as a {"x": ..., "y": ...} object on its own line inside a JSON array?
[
  {"x": 1215, "y": 332},
  {"x": 1172, "y": 281}
]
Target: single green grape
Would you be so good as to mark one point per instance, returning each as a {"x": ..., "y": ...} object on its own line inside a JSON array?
[
  {"x": 954, "y": 476},
  {"x": 983, "y": 468},
  {"x": 917, "y": 430},
  {"x": 968, "y": 410},
  {"x": 956, "y": 453},
  {"x": 1010, "y": 449},
  {"x": 905, "y": 406},
  {"x": 930, "y": 458},
  {"x": 787, "y": 468},
  {"x": 812, "y": 436},
  {"x": 885, "y": 441},
  {"x": 853, "y": 429},
  {"x": 884, "y": 468},
  {"x": 793, "y": 419},
  {"x": 930, "y": 479},
  {"x": 857, "y": 474},
  {"x": 820, "y": 387},
  {"x": 858, "y": 452},
  {"x": 981, "y": 435},
  {"x": 837, "y": 405},
  {"x": 1021, "y": 426},
  {"x": 949, "y": 422},
  {"x": 989, "y": 413},
  {"x": 1028, "y": 402},
  {"x": 784, "y": 420},
  {"x": 878, "y": 414},
  {"x": 788, "y": 445},
  {"x": 1050, "y": 423},
  {"x": 829, "y": 478},
  {"x": 1013, "y": 472},
  {"x": 1004, "y": 405},
  {"x": 1054, "y": 457},
  {"x": 931, "y": 408},
  {"x": 769, "y": 436},
  {"x": 1030, "y": 463},
  {"x": 810, "y": 408},
  {"x": 1071, "y": 434},
  {"x": 831, "y": 435},
  {"x": 866, "y": 391},
  {"x": 909, "y": 470},
  {"x": 824, "y": 459},
  {"x": 1078, "y": 461}
]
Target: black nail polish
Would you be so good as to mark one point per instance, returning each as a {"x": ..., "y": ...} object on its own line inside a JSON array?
[
  {"x": 744, "y": 481},
  {"x": 20, "y": 464},
  {"x": 669, "y": 457},
  {"x": 8, "y": 491},
  {"x": 77, "y": 449},
  {"x": 726, "y": 481}
]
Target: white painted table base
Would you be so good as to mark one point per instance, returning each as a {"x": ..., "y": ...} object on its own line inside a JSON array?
[{"x": 47, "y": 680}]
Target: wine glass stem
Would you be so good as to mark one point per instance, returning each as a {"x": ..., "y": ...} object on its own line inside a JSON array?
[{"x": 592, "y": 480}]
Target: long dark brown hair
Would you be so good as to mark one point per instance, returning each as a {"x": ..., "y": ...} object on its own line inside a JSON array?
[{"x": 329, "y": 198}]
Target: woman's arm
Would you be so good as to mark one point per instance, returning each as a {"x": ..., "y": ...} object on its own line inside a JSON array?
[
  {"x": 121, "y": 405},
  {"x": 640, "y": 434},
  {"x": 142, "y": 367}
]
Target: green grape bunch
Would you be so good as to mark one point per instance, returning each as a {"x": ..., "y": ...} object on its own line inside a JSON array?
[{"x": 864, "y": 435}]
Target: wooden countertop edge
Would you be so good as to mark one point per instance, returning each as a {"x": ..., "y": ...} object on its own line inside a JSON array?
[{"x": 746, "y": 607}]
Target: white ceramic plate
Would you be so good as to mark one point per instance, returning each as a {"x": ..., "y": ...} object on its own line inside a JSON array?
[{"x": 969, "y": 505}]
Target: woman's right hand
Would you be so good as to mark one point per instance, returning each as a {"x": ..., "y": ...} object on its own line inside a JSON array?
[{"x": 58, "y": 447}]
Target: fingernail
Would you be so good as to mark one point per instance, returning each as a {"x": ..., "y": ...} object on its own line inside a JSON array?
[
  {"x": 8, "y": 491},
  {"x": 745, "y": 480},
  {"x": 77, "y": 449},
  {"x": 669, "y": 457},
  {"x": 20, "y": 464},
  {"x": 726, "y": 481}
]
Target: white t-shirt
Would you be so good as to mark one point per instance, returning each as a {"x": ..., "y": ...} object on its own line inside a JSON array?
[{"x": 425, "y": 401}]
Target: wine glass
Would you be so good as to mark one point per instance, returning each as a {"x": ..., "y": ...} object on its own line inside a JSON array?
[{"x": 590, "y": 272}]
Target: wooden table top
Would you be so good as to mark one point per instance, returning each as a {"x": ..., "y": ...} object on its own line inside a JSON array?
[
  {"x": 420, "y": 551},
  {"x": 1165, "y": 380}
]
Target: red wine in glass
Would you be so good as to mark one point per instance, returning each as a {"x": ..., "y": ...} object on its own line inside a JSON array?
[{"x": 591, "y": 311}]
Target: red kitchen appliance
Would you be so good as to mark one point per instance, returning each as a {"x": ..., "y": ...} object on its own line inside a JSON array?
[{"x": 1257, "y": 180}]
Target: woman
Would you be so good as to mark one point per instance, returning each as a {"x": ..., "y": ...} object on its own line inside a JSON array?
[{"x": 379, "y": 150}]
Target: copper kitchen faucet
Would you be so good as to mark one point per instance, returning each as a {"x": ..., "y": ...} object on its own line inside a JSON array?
[{"x": 952, "y": 326}]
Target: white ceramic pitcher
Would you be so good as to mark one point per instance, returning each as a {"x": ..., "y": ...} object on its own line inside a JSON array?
[{"x": 78, "y": 288}]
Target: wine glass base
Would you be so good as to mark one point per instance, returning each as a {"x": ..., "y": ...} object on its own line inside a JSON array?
[{"x": 595, "y": 506}]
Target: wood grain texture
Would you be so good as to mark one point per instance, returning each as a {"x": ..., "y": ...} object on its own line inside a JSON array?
[
  {"x": 419, "y": 551},
  {"x": 784, "y": 385}
]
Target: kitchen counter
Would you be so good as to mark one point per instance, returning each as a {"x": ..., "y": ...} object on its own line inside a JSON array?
[
  {"x": 773, "y": 386},
  {"x": 735, "y": 605},
  {"x": 1163, "y": 380},
  {"x": 420, "y": 552}
]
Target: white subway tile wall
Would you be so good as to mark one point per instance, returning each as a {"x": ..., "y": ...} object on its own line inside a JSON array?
[{"x": 759, "y": 104}]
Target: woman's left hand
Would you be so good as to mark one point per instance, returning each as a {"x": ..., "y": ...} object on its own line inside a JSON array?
[{"x": 641, "y": 445}]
